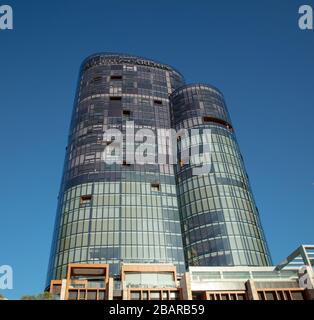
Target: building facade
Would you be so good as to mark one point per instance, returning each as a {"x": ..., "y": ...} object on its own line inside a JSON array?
[
  {"x": 150, "y": 281},
  {"x": 114, "y": 213},
  {"x": 220, "y": 221}
]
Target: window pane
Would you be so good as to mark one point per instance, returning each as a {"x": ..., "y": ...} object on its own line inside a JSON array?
[{"x": 155, "y": 295}]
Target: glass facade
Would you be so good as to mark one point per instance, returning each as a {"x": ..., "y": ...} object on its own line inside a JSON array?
[
  {"x": 122, "y": 212},
  {"x": 150, "y": 279},
  {"x": 220, "y": 222},
  {"x": 108, "y": 213}
]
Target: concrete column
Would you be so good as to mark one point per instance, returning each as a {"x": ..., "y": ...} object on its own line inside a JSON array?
[
  {"x": 63, "y": 289},
  {"x": 124, "y": 292},
  {"x": 110, "y": 289},
  {"x": 251, "y": 290},
  {"x": 185, "y": 285}
]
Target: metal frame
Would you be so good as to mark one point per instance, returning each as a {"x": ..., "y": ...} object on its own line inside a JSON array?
[{"x": 303, "y": 255}]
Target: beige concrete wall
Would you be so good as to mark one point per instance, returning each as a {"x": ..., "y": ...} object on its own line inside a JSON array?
[
  {"x": 185, "y": 285},
  {"x": 251, "y": 290}
]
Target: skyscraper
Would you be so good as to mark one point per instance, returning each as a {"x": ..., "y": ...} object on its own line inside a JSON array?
[
  {"x": 152, "y": 212},
  {"x": 220, "y": 221}
]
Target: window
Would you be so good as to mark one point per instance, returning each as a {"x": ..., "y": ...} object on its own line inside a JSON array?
[
  {"x": 115, "y": 98},
  {"x": 135, "y": 295},
  {"x": 280, "y": 295},
  {"x": 174, "y": 295},
  {"x": 56, "y": 289},
  {"x": 215, "y": 120},
  {"x": 236, "y": 274},
  {"x": 224, "y": 296},
  {"x": 149, "y": 279},
  {"x": 86, "y": 199},
  {"x": 158, "y": 102},
  {"x": 155, "y": 295},
  {"x": 197, "y": 295},
  {"x": 91, "y": 295},
  {"x": 82, "y": 295},
  {"x": 165, "y": 279},
  {"x": 241, "y": 296},
  {"x": 132, "y": 279},
  {"x": 97, "y": 79},
  {"x": 207, "y": 119},
  {"x": 72, "y": 295},
  {"x": 297, "y": 295},
  {"x": 155, "y": 186},
  {"x": 270, "y": 295},
  {"x": 101, "y": 295},
  {"x": 116, "y": 77},
  {"x": 126, "y": 113}
]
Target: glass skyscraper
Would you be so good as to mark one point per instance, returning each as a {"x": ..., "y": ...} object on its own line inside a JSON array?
[
  {"x": 220, "y": 222},
  {"x": 152, "y": 212}
]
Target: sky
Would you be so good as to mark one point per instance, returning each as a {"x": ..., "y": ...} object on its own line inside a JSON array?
[{"x": 253, "y": 51}]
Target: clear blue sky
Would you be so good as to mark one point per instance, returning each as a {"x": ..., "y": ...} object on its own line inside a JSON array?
[{"x": 252, "y": 50}]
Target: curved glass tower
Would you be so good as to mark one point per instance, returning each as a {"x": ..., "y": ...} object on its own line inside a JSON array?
[
  {"x": 108, "y": 213},
  {"x": 220, "y": 222},
  {"x": 151, "y": 212}
]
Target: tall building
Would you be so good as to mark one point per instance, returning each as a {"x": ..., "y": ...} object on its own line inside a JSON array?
[
  {"x": 117, "y": 212},
  {"x": 220, "y": 221},
  {"x": 125, "y": 212}
]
